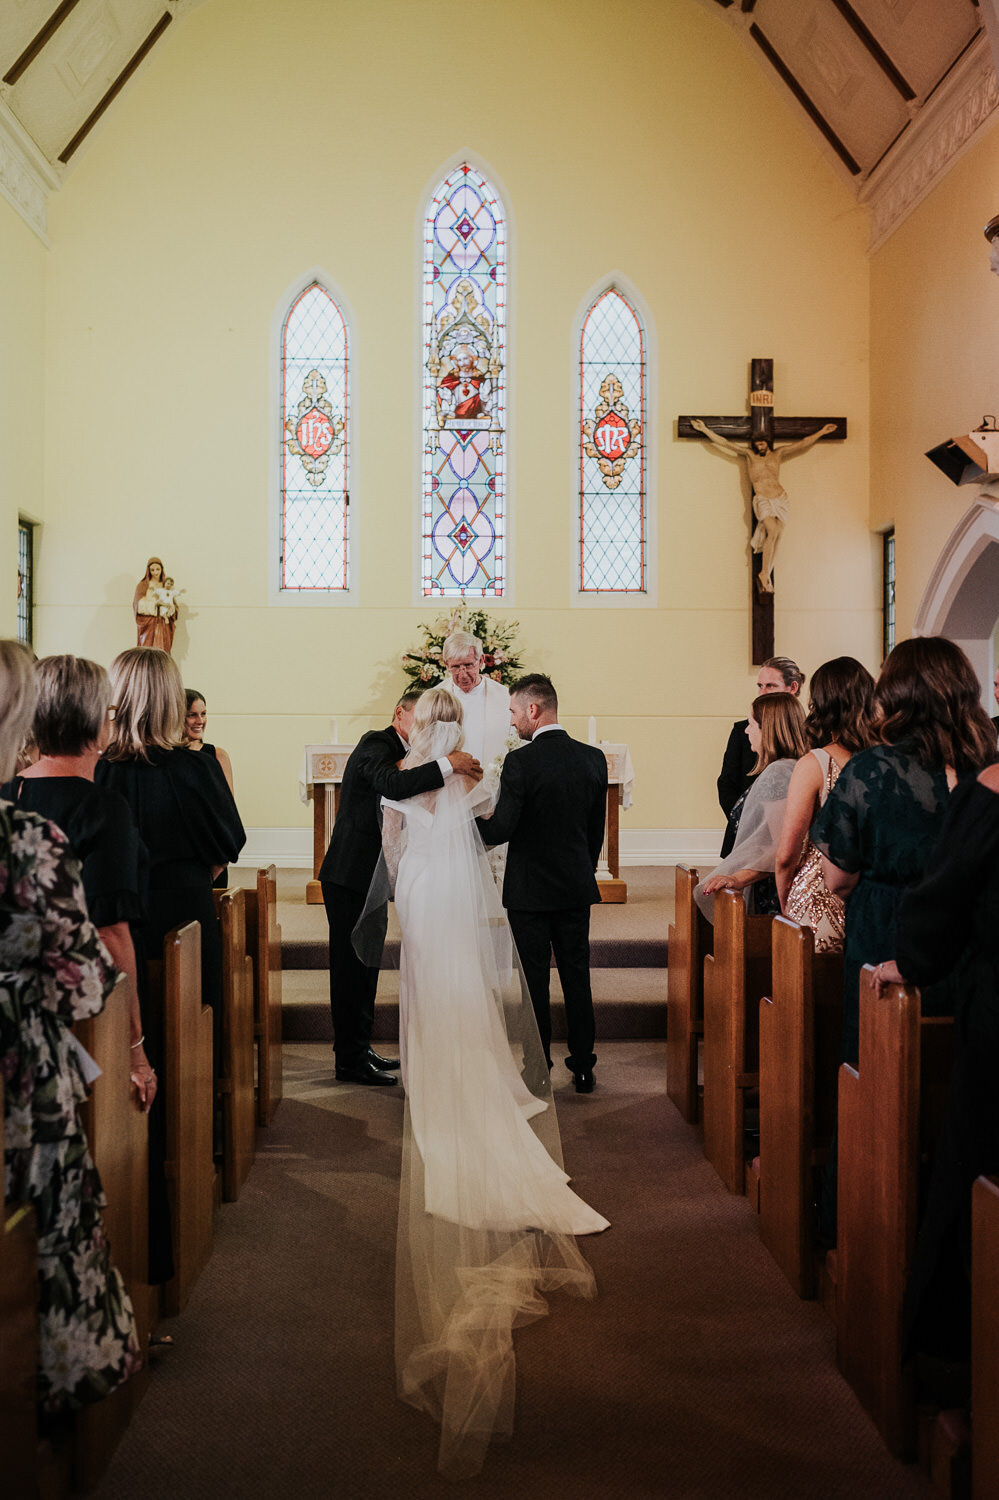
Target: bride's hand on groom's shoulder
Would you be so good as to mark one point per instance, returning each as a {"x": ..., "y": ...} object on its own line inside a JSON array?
[{"x": 464, "y": 764}]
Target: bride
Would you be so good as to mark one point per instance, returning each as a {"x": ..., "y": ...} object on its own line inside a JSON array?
[{"x": 486, "y": 1216}]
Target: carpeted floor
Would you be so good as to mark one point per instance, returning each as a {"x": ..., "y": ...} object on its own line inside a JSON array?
[{"x": 696, "y": 1373}]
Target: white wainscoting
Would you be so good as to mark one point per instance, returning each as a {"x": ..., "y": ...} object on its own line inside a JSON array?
[{"x": 291, "y": 848}]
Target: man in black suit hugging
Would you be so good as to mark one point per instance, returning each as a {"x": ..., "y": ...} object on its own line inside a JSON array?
[
  {"x": 371, "y": 773},
  {"x": 552, "y": 801}
]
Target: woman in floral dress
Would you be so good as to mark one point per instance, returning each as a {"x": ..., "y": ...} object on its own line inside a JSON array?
[{"x": 53, "y": 971}]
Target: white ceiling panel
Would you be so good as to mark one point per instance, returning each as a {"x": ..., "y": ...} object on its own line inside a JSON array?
[{"x": 922, "y": 37}]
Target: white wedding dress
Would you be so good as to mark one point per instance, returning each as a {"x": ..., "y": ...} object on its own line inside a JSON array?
[{"x": 486, "y": 1218}]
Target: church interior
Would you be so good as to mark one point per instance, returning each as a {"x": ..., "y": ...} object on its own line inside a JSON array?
[{"x": 798, "y": 181}]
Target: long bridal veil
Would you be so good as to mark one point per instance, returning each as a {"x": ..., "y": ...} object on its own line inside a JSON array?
[{"x": 486, "y": 1216}]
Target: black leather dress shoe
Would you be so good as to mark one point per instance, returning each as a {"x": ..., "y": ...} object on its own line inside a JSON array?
[
  {"x": 585, "y": 1082},
  {"x": 364, "y": 1072},
  {"x": 387, "y": 1064}
]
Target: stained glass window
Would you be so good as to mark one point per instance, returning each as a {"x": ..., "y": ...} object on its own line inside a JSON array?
[
  {"x": 612, "y": 469},
  {"x": 315, "y": 445},
  {"x": 25, "y": 580},
  {"x": 464, "y": 389}
]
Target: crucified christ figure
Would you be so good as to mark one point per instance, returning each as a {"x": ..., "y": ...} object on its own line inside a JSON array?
[{"x": 770, "y": 500}]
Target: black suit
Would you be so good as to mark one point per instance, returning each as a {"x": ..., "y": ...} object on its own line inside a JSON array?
[
  {"x": 370, "y": 774},
  {"x": 735, "y": 777},
  {"x": 552, "y": 802}
]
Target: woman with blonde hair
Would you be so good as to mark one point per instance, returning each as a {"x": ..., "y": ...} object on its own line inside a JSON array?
[
  {"x": 184, "y": 810},
  {"x": 776, "y": 731},
  {"x": 487, "y": 1220},
  {"x": 54, "y": 970}
]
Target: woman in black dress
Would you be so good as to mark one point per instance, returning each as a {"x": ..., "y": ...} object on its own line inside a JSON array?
[
  {"x": 883, "y": 817},
  {"x": 195, "y": 723},
  {"x": 948, "y": 925},
  {"x": 185, "y": 811},
  {"x": 71, "y": 729}
]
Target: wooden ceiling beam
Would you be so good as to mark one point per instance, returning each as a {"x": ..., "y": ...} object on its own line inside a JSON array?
[
  {"x": 41, "y": 40},
  {"x": 116, "y": 87},
  {"x": 875, "y": 49},
  {"x": 804, "y": 99}
]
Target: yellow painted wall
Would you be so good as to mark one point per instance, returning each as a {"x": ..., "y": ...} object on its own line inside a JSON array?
[
  {"x": 264, "y": 138},
  {"x": 934, "y": 361},
  {"x": 22, "y": 392}
]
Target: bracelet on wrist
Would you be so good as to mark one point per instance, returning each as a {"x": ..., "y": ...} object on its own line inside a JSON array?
[{"x": 139, "y": 1043}]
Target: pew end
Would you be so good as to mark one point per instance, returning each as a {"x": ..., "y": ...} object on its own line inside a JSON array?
[
  {"x": 263, "y": 938},
  {"x": 118, "y": 1135},
  {"x": 689, "y": 938},
  {"x": 736, "y": 975},
  {"x": 800, "y": 1023},
  {"x": 889, "y": 1114},
  {"x": 190, "y": 1168},
  {"x": 239, "y": 1112},
  {"x": 985, "y": 1338}
]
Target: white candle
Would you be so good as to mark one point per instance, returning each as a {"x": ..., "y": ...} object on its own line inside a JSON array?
[{"x": 593, "y": 730}]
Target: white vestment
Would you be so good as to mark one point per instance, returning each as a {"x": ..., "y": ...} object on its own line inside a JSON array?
[{"x": 486, "y": 717}]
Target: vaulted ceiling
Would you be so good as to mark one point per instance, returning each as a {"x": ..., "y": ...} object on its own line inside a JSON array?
[
  {"x": 891, "y": 89},
  {"x": 860, "y": 70}
]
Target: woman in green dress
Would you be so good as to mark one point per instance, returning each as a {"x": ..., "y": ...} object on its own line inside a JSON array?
[
  {"x": 883, "y": 817},
  {"x": 54, "y": 970}
]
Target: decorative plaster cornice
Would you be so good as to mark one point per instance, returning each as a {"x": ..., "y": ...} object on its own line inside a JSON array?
[
  {"x": 940, "y": 132},
  {"x": 26, "y": 178}
]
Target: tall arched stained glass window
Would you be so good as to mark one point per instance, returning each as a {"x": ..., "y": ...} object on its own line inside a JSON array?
[
  {"x": 613, "y": 529},
  {"x": 464, "y": 389},
  {"x": 315, "y": 446}
]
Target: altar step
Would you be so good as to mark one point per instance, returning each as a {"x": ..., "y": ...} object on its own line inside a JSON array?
[
  {"x": 629, "y": 1002},
  {"x": 631, "y": 951}
]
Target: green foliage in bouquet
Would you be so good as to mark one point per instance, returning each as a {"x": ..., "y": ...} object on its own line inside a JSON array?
[{"x": 424, "y": 665}]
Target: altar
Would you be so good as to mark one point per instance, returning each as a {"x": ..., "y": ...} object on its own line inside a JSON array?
[{"x": 321, "y": 777}]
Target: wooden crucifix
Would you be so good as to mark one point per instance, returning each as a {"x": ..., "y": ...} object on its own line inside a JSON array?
[{"x": 759, "y": 432}]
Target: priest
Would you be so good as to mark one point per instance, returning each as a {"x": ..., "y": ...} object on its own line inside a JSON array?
[{"x": 485, "y": 703}]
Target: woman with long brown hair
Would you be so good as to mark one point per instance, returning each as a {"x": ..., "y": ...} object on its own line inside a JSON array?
[
  {"x": 840, "y": 722},
  {"x": 776, "y": 731},
  {"x": 885, "y": 813}
]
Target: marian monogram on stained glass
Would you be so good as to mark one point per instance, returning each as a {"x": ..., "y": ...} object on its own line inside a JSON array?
[
  {"x": 464, "y": 389},
  {"x": 315, "y": 418},
  {"x": 612, "y": 469}
]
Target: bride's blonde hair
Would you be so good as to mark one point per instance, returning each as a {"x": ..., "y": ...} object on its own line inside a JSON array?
[{"x": 435, "y": 706}]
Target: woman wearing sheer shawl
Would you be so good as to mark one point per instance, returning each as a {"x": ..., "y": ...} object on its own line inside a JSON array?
[
  {"x": 487, "y": 1220},
  {"x": 776, "y": 731}
]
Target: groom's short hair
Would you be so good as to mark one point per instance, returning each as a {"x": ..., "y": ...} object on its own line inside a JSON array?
[{"x": 539, "y": 689}]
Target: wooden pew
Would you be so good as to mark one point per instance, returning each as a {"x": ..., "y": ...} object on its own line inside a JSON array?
[
  {"x": 800, "y": 1025},
  {"x": 18, "y": 1346},
  {"x": 689, "y": 939},
  {"x": 985, "y": 1339},
  {"x": 118, "y": 1136},
  {"x": 239, "y": 1111},
  {"x": 188, "y": 1097},
  {"x": 889, "y": 1115},
  {"x": 263, "y": 939},
  {"x": 736, "y": 976}
]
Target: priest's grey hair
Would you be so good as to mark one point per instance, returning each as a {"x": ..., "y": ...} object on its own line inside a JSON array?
[{"x": 460, "y": 641}]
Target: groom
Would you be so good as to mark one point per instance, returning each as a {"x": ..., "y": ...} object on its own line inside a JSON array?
[
  {"x": 552, "y": 800},
  {"x": 371, "y": 773}
]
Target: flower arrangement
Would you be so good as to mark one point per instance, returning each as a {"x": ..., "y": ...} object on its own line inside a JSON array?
[{"x": 424, "y": 665}]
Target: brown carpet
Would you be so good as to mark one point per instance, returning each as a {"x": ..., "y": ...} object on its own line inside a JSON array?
[{"x": 696, "y": 1373}]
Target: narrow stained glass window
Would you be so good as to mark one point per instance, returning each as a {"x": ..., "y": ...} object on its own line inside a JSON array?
[
  {"x": 612, "y": 470},
  {"x": 315, "y": 450},
  {"x": 25, "y": 580},
  {"x": 464, "y": 389}
]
